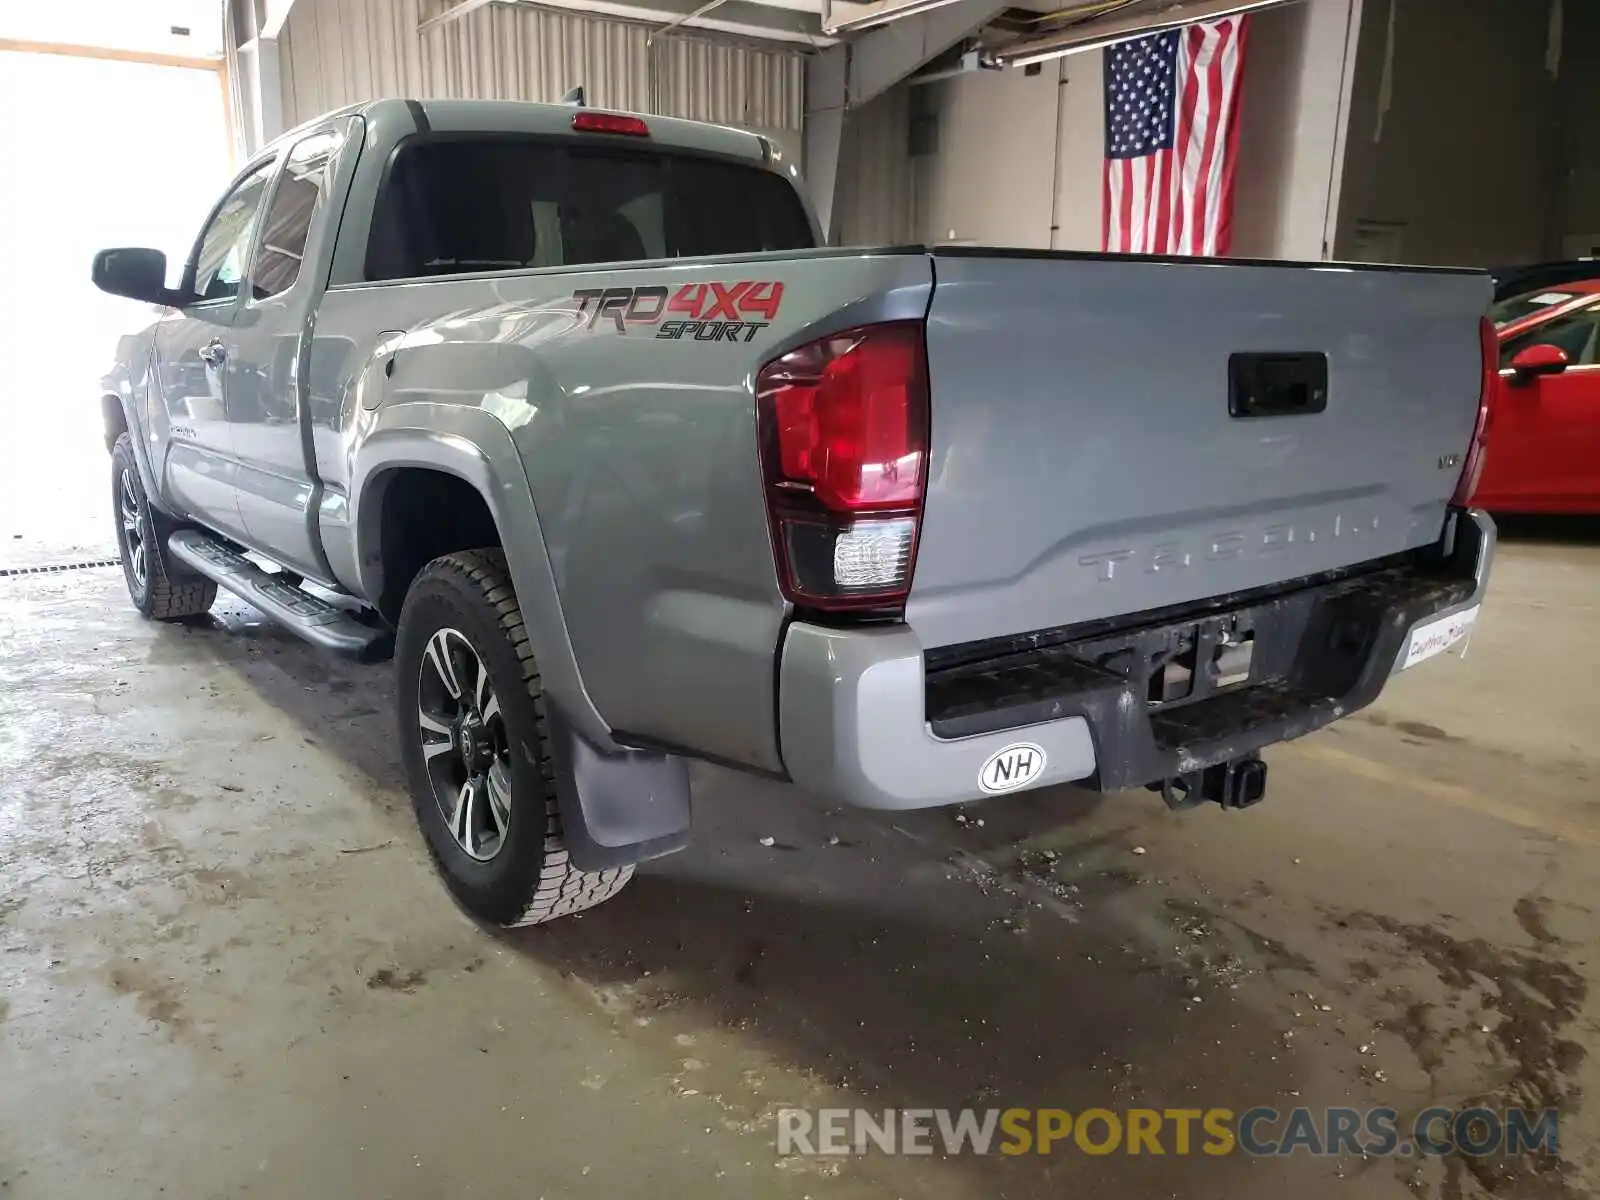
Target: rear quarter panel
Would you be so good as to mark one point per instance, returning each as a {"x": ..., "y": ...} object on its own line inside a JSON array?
[{"x": 639, "y": 451}]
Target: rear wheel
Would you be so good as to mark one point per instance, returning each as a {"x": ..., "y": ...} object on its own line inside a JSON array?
[
  {"x": 477, "y": 748},
  {"x": 159, "y": 587}
]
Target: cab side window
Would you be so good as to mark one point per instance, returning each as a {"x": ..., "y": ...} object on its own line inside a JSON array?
[
  {"x": 1576, "y": 333},
  {"x": 295, "y": 204},
  {"x": 225, "y": 244}
]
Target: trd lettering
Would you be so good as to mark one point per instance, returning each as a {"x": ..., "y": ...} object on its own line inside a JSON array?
[{"x": 638, "y": 313}]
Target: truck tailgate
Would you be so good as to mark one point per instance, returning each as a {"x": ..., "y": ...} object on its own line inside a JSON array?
[{"x": 1099, "y": 447}]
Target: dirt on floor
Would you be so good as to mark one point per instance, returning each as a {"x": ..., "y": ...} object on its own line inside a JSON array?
[{"x": 226, "y": 970}]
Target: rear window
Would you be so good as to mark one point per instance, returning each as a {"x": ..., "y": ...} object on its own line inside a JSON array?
[{"x": 462, "y": 205}]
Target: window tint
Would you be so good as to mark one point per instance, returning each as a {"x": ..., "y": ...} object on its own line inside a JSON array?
[
  {"x": 1577, "y": 333},
  {"x": 225, "y": 244},
  {"x": 1509, "y": 312},
  {"x": 295, "y": 202},
  {"x": 491, "y": 205}
]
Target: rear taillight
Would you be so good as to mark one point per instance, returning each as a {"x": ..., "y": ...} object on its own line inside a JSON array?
[
  {"x": 1478, "y": 448},
  {"x": 843, "y": 423},
  {"x": 601, "y": 122}
]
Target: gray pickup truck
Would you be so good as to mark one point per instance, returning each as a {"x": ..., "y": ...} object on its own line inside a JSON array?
[{"x": 567, "y": 411}]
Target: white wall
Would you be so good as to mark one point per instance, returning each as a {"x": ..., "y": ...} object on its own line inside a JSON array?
[
  {"x": 1462, "y": 167},
  {"x": 1292, "y": 118},
  {"x": 992, "y": 178},
  {"x": 1080, "y": 166},
  {"x": 874, "y": 201}
]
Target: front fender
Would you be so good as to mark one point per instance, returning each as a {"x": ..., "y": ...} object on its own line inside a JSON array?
[
  {"x": 120, "y": 387},
  {"x": 475, "y": 446}
]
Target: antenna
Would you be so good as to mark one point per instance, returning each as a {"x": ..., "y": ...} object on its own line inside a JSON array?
[{"x": 574, "y": 97}]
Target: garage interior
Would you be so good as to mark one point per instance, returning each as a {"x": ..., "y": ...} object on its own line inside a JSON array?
[{"x": 225, "y": 966}]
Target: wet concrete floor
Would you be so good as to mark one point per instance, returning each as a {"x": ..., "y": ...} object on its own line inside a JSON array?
[{"x": 226, "y": 970}]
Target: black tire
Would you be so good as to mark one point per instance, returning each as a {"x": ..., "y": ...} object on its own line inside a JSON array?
[
  {"x": 160, "y": 587},
  {"x": 508, "y": 868}
]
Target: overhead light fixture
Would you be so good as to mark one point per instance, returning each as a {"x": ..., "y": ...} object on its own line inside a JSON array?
[
  {"x": 882, "y": 12},
  {"x": 1098, "y": 33},
  {"x": 1025, "y": 58}
]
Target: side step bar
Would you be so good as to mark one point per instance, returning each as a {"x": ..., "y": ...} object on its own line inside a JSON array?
[{"x": 315, "y": 620}]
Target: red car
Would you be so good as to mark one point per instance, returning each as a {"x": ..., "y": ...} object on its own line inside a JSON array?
[{"x": 1544, "y": 436}]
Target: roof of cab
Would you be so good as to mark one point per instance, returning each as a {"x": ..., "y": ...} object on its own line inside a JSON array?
[{"x": 517, "y": 116}]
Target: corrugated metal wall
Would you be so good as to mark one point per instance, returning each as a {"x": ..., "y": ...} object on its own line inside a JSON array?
[
  {"x": 876, "y": 201},
  {"x": 335, "y": 52}
]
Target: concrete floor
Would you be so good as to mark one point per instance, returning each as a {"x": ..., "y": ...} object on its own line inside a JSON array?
[{"x": 225, "y": 968}]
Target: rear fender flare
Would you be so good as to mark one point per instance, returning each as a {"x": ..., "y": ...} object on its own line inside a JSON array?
[{"x": 476, "y": 447}]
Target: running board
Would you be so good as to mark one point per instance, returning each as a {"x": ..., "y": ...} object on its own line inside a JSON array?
[{"x": 316, "y": 620}]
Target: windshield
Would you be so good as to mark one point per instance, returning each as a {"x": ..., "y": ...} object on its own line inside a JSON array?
[
  {"x": 495, "y": 204},
  {"x": 1517, "y": 308}
]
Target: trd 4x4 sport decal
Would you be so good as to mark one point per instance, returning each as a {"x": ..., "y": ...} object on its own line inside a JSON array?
[{"x": 706, "y": 312}]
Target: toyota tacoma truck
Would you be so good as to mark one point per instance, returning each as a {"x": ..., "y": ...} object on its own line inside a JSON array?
[{"x": 569, "y": 412}]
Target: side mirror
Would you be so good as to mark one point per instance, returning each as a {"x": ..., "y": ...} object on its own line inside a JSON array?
[
  {"x": 1537, "y": 361},
  {"x": 136, "y": 273}
]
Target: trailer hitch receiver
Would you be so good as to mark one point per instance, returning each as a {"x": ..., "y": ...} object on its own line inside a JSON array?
[{"x": 1234, "y": 785}]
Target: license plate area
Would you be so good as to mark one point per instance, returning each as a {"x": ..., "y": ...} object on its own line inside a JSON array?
[
  {"x": 1182, "y": 664},
  {"x": 1434, "y": 638},
  {"x": 1322, "y": 649}
]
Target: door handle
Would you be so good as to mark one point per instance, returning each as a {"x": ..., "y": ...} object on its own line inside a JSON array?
[{"x": 213, "y": 353}]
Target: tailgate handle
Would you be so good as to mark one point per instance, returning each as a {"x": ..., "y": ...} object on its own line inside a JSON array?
[{"x": 1277, "y": 385}]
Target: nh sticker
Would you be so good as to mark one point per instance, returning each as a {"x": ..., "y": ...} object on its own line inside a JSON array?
[{"x": 1014, "y": 767}]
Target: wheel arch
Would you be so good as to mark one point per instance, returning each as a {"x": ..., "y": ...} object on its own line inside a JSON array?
[{"x": 460, "y": 451}]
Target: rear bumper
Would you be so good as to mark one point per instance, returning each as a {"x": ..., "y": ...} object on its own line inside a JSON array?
[{"x": 863, "y": 720}]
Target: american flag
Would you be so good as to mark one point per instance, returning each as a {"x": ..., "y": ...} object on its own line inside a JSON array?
[{"x": 1172, "y": 103}]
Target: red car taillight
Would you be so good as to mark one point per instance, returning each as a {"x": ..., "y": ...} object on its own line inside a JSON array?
[
  {"x": 1478, "y": 449},
  {"x": 843, "y": 424}
]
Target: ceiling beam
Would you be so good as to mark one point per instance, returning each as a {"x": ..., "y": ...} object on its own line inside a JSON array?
[
  {"x": 843, "y": 16},
  {"x": 1099, "y": 32},
  {"x": 106, "y": 52},
  {"x": 454, "y": 13},
  {"x": 885, "y": 56},
  {"x": 781, "y": 22}
]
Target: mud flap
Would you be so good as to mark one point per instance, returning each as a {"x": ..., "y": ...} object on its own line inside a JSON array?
[{"x": 617, "y": 809}]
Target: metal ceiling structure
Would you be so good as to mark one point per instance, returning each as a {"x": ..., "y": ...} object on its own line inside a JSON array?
[
  {"x": 887, "y": 41},
  {"x": 1095, "y": 26},
  {"x": 793, "y": 21}
]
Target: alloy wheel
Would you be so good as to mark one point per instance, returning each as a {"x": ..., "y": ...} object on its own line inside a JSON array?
[
  {"x": 464, "y": 744},
  {"x": 133, "y": 540}
]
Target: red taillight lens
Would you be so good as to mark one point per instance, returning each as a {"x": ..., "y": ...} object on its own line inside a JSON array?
[
  {"x": 844, "y": 447},
  {"x": 851, "y": 417},
  {"x": 599, "y": 122},
  {"x": 1478, "y": 449}
]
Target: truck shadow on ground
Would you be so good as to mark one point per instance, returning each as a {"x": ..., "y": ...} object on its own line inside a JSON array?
[
  {"x": 919, "y": 992},
  {"x": 889, "y": 960}
]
